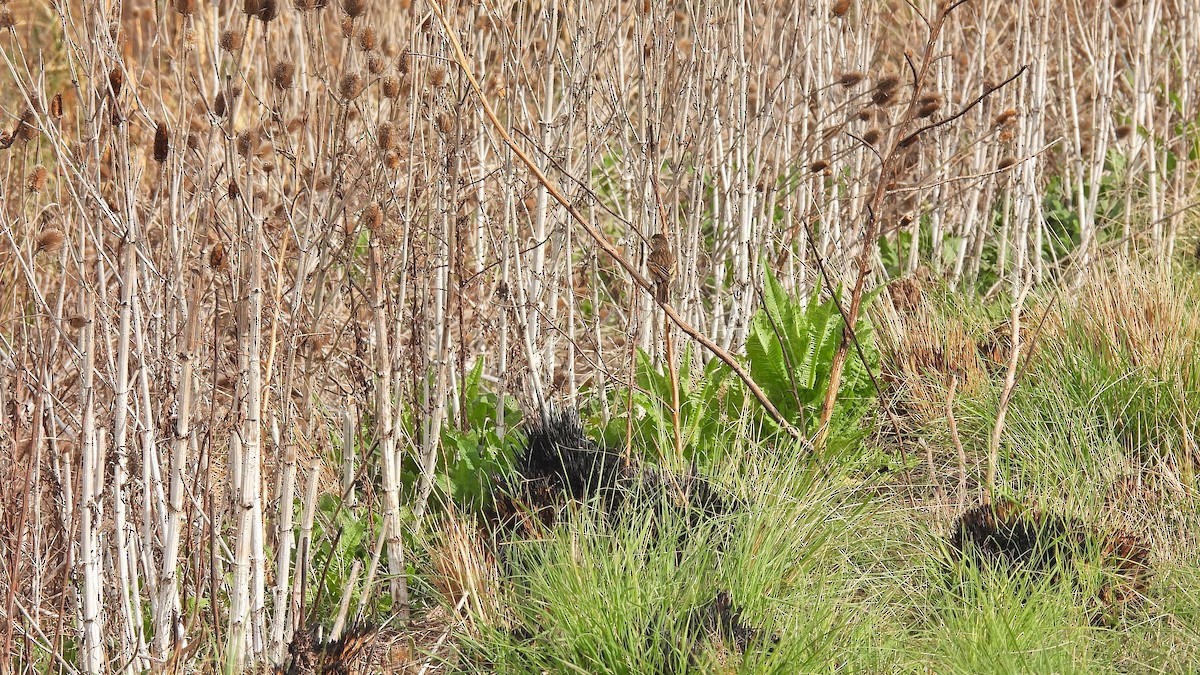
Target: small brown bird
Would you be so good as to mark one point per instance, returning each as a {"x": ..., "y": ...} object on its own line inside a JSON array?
[{"x": 661, "y": 265}]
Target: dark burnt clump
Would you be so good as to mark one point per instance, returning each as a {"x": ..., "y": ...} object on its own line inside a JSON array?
[
  {"x": 1007, "y": 535},
  {"x": 309, "y": 655},
  {"x": 560, "y": 463},
  {"x": 717, "y": 623}
]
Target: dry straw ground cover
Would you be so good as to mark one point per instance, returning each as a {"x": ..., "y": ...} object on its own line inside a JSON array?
[{"x": 276, "y": 275}]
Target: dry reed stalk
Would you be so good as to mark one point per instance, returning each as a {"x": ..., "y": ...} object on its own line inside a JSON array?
[
  {"x": 1010, "y": 383},
  {"x": 386, "y": 437}
]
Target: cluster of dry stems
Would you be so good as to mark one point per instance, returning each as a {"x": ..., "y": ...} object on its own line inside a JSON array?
[{"x": 231, "y": 227}]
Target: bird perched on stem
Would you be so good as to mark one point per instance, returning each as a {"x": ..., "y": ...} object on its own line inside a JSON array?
[{"x": 661, "y": 265}]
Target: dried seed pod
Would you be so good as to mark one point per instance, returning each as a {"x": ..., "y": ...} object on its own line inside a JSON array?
[
  {"x": 350, "y": 86},
  {"x": 232, "y": 189},
  {"x": 268, "y": 10},
  {"x": 193, "y": 142},
  {"x": 116, "y": 80},
  {"x": 185, "y": 7},
  {"x": 26, "y": 127},
  {"x": 219, "y": 106},
  {"x": 404, "y": 62},
  {"x": 387, "y": 136},
  {"x": 375, "y": 64},
  {"x": 839, "y": 7},
  {"x": 1005, "y": 162},
  {"x": 283, "y": 74},
  {"x": 49, "y": 241},
  {"x": 162, "y": 143},
  {"x": 367, "y": 39},
  {"x": 37, "y": 179},
  {"x": 850, "y": 78},
  {"x": 391, "y": 161},
  {"x": 872, "y": 135},
  {"x": 444, "y": 122},
  {"x": 7, "y": 20},
  {"x": 928, "y": 109},
  {"x": 372, "y": 217},
  {"x": 391, "y": 87},
  {"x": 354, "y": 8},
  {"x": 56, "y": 106},
  {"x": 247, "y": 142},
  {"x": 231, "y": 40},
  {"x": 1004, "y": 117},
  {"x": 216, "y": 256},
  {"x": 437, "y": 76},
  {"x": 887, "y": 83}
]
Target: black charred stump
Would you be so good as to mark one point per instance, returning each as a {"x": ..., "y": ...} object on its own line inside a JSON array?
[
  {"x": 718, "y": 621},
  {"x": 1004, "y": 532},
  {"x": 309, "y": 655},
  {"x": 560, "y": 463},
  {"x": 1007, "y": 535}
]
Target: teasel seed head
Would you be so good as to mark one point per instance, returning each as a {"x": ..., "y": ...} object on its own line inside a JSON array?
[
  {"x": 350, "y": 86},
  {"x": 390, "y": 87},
  {"x": 26, "y": 128},
  {"x": 387, "y": 136},
  {"x": 444, "y": 122},
  {"x": 367, "y": 39},
  {"x": 185, "y": 7},
  {"x": 375, "y": 64},
  {"x": 887, "y": 83},
  {"x": 37, "y": 179},
  {"x": 116, "y": 80},
  {"x": 246, "y": 143},
  {"x": 162, "y": 143},
  {"x": 391, "y": 161},
  {"x": 404, "y": 62},
  {"x": 219, "y": 106},
  {"x": 216, "y": 256},
  {"x": 872, "y": 135},
  {"x": 193, "y": 142},
  {"x": 283, "y": 74},
  {"x": 1004, "y": 117},
  {"x": 354, "y": 8},
  {"x": 268, "y": 10},
  {"x": 7, "y": 20},
  {"x": 372, "y": 217},
  {"x": 49, "y": 241},
  {"x": 230, "y": 40},
  {"x": 437, "y": 76},
  {"x": 850, "y": 78}
]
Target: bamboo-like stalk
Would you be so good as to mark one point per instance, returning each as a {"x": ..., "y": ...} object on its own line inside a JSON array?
[
  {"x": 1010, "y": 383},
  {"x": 386, "y": 435},
  {"x": 91, "y": 512},
  {"x": 283, "y": 545}
]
